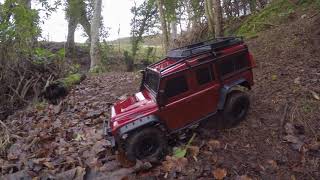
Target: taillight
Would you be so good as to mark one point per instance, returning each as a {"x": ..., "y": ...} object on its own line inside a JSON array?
[{"x": 252, "y": 60}]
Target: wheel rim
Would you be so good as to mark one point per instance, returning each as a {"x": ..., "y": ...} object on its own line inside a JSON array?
[
  {"x": 147, "y": 147},
  {"x": 239, "y": 109}
]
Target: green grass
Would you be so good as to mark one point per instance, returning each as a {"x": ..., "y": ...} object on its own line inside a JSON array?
[{"x": 274, "y": 14}]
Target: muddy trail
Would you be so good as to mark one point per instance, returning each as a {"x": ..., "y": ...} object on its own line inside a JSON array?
[{"x": 280, "y": 138}]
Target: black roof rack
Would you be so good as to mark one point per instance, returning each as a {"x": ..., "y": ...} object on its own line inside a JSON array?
[
  {"x": 213, "y": 45},
  {"x": 202, "y": 47}
]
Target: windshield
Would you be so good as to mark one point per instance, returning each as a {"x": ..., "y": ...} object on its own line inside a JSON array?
[{"x": 151, "y": 81}]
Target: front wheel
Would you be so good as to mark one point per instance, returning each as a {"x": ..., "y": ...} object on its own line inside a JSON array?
[
  {"x": 147, "y": 144},
  {"x": 236, "y": 108}
]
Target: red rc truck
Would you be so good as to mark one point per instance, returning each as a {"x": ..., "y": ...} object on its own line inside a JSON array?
[{"x": 191, "y": 84}]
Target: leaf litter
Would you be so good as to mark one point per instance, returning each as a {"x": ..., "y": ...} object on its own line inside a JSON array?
[{"x": 67, "y": 141}]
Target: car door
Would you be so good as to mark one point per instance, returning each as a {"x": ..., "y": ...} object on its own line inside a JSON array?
[
  {"x": 190, "y": 96},
  {"x": 176, "y": 89},
  {"x": 206, "y": 90}
]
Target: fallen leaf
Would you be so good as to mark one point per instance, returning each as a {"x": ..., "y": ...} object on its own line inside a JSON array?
[
  {"x": 49, "y": 165},
  {"x": 17, "y": 175},
  {"x": 243, "y": 177},
  {"x": 76, "y": 174},
  {"x": 193, "y": 150},
  {"x": 172, "y": 164},
  {"x": 182, "y": 151},
  {"x": 79, "y": 137},
  {"x": 315, "y": 95},
  {"x": 214, "y": 144},
  {"x": 179, "y": 152},
  {"x": 57, "y": 108},
  {"x": 14, "y": 151},
  {"x": 273, "y": 164},
  {"x": 314, "y": 145},
  {"x": 289, "y": 128},
  {"x": 297, "y": 143},
  {"x": 274, "y": 77},
  {"x": 219, "y": 173},
  {"x": 297, "y": 80}
]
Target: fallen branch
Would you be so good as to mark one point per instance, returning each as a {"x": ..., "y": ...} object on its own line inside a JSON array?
[{"x": 312, "y": 16}]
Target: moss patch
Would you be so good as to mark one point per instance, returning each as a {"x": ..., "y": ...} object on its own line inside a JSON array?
[
  {"x": 71, "y": 80},
  {"x": 266, "y": 18},
  {"x": 275, "y": 13}
]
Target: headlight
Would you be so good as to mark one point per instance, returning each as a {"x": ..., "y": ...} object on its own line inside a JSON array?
[
  {"x": 115, "y": 124},
  {"x": 113, "y": 112}
]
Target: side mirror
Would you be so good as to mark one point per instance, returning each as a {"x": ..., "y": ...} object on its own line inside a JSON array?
[
  {"x": 161, "y": 98},
  {"x": 143, "y": 72}
]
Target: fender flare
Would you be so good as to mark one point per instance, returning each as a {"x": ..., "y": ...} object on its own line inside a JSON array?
[
  {"x": 224, "y": 91},
  {"x": 144, "y": 121}
]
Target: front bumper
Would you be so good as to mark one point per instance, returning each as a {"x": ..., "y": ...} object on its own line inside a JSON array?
[{"x": 108, "y": 135}]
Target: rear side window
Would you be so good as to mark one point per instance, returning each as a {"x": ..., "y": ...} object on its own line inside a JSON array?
[
  {"x": 234, "y": 64},
  {"x": 176, "y": 86},
  {"x": 204, "y": 75}
]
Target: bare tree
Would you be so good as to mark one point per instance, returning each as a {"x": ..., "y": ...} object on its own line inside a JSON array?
[
  {"x": 163, "y": 25},
  {"x": 76, "y": 13},
  {"x": 95, "y": 27},
  {"x": 174, "y": 31},
  {"x": 252, "y": 5},
  {"x": 27, "y": 3},
  {"x": 218, "y": 29},
  {"x": 209, "y": 15}
]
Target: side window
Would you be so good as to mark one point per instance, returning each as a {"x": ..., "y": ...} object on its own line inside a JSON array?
[
  {"x": 233, "y": 64},
  {"x": 226, "y": 67},
  {"x": 241, "y": 62},
  {"x": 176, "y": 86},
  {"x": 204, "y": 75}
]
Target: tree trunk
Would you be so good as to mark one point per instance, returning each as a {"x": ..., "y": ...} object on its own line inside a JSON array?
[
  {"x": 209, "y": 15},
  {"x": 70, "y": 45},
  {"x": 27, "y": 3},
  {"x": 187, "y": 4},
  {"x": 174, "y": 30},
  {"x": 163, "y": 25},
  {"x": 252, "y": 5},
  {"x": 95, "y": 27},
  {"x": 218, "y": 29},
  {"x": 83, "y": 20}
]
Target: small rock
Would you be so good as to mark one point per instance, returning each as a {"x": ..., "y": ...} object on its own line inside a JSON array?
[{"x": 303, "y": 16}]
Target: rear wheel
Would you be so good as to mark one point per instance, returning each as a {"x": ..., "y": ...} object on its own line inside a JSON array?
[
  {"x": 236, "y": 108},
  {"x": 147, "y": 144}
]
